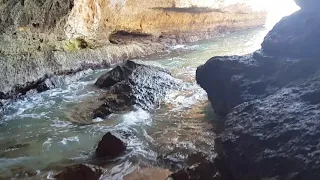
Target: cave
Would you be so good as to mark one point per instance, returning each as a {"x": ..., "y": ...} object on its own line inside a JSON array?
[{"x": 162, "y": 89}]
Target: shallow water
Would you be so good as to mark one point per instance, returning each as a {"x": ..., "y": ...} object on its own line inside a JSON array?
[{"x": 36, "y": 136}]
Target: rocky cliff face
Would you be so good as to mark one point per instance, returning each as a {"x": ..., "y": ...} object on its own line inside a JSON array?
[
  {"x": 46, "y": 37},
  {"x": 97, "y": 18},
  {"x": 270, "y": 102}
]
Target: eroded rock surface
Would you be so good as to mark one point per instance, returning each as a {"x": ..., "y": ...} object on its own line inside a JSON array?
[
  {"x": 128, "y": 86},
  {"x": 270, "y": 102},
  {"x": 133, "y": 84},
  {"x": 277, "y": 136}
]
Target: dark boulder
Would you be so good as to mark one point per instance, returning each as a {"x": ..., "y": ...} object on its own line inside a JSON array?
[
  {"x": 272, "y": 117},
  {"x": 58, "y": 81},
  {"x": 80, "y": 172},
  {"x": 110, "y": 147},
  {"x": 46, "y": 85},
  {"x": 277, "y": 136},
  {"x": 232, "y": 80},
  {"x": 295, "y": 36},
  {"x": 229, "y": 81},
  {"x": 116, "y": 75},
  {"x": 133, "y": 84},
  {"x": 270, "y": 101}
]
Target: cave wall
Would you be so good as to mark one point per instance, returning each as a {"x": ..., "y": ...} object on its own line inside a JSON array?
[
  {"x": 41, "y": 15},
  {"x": 99, "y": 18},
  {"x": 92, "y": 18},
  {"x": 40, "y": 38}
]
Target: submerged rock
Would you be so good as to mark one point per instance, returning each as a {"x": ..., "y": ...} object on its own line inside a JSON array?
[
  {"x": 270, "y": 102},
  {"x": 202, "y": 167},
  {"x": 203, "y": 170},
  {"x": 23, "y": 173},
  {"x": 148, "y": 174},
  {"x": 200, "y": 171},
  {"x": 80, "y": 172},
  {"x": 133, "y": 84},
  {"x": 110, "y": 146}
]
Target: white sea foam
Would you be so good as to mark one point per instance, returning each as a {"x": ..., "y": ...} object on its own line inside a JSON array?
[
  {"x": 98, "y": 119},
  {"x": 136, "y": 117},
  {"x": 61, "y": 124},
  {"x": 179, "y": 46},
  {"x": 47, "y": 144},
  {"x": 65, "y": 141}
]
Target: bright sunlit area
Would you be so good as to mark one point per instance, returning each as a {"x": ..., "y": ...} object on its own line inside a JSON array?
[{"x": 276, "y": 9}]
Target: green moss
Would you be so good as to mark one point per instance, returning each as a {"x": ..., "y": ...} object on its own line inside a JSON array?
[{"x": 75, "y": 44}]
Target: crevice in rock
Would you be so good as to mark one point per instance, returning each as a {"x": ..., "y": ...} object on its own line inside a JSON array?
[
  {"x": 123, "y": 37},
  {"x": 188, "y": 9}
]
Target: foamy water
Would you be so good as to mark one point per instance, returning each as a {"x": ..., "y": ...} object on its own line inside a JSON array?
[{"x": 35, "y": 132}]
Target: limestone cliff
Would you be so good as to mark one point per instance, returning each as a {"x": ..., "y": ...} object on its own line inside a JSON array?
[{"x": 40, "y": 38}]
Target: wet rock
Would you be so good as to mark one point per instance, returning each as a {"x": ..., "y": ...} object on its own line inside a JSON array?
[
  {"x": 45, "y": 85},
  {"x": 202, "y": 167},
  {"x": 270, "y": 103},
  {"x": 296, "y": 35},
  {"x": 2, "y": 95},
  {"x": 148, "y": 174},
  {"x": 133, "y": 84},
  {"x": 230, "y": 81},
  {"x": 22, "y": 172},
  {"x": 199, "y": 171},
  {"x": 58, "y": 81},
  {"x": 179, "y": 159},
  {"x": 277, "y": 136},
  {"x": 80, "y": 172},
  {"x": 173, "y": 161},
  {"x": 271, "y": 130},
  {"x": 196, "y": 158},
  {"x": 1, "y": 108},
  {"x": 110, "y": 146},
  {"x": 272, "y": 133}
]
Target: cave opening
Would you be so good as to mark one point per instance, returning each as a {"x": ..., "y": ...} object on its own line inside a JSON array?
[{"x": 276, "y": 9}]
